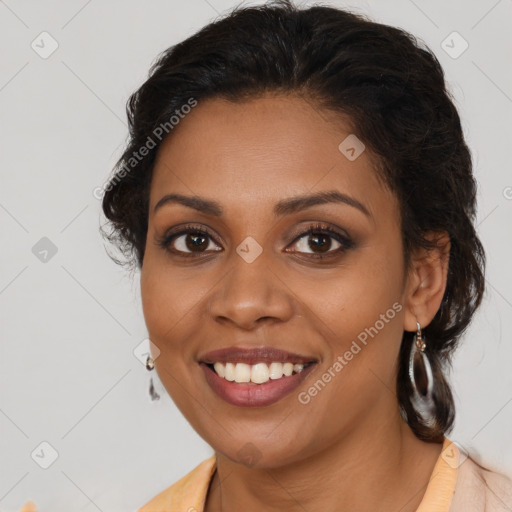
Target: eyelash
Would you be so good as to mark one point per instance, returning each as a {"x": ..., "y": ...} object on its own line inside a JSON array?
[{"x": 314, "y": 229}]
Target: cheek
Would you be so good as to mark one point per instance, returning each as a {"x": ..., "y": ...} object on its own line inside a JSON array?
[
  {"x": 172, "y": 301},
  {"x": 355, "y": 295},
  {"x": 165, "y": 315},
  {"x": 154, "y": 295},
  {"x": 160, "y": 299},
  {"x": 359, "y": 315}
]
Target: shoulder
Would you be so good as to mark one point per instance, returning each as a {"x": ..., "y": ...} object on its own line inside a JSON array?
[
  {"x": 498, "y": 489},
  {"x": 188, "y": 493},
  {"x": 478, "y": 489}
]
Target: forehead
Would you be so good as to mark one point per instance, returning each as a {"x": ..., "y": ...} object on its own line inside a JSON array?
[{"x": 256, "y": 152}]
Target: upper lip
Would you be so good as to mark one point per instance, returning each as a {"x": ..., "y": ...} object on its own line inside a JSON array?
[{"x": 253, "y": 356}]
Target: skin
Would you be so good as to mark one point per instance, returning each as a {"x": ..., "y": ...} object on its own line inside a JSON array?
[{"x": 348, "y": 448}]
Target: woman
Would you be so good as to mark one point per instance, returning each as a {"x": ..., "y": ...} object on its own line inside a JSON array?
[{"x": 299, "y": 197}]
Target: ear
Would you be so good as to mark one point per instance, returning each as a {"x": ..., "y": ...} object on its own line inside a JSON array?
[{"x": 426, "y": 281}]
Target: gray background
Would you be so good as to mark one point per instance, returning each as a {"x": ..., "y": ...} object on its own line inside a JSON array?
[{"x": 71, "y": 320}]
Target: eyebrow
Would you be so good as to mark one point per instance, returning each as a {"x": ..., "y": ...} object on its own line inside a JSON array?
[{"x": 283, "y": 207}]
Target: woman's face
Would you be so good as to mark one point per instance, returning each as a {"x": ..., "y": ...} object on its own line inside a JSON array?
[{"x": 255, "y": 279}]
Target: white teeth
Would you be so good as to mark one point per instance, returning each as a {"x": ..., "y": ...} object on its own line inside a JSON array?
[
  {"x": 257, "y": 373},
  {"x": 220, "y": 369},
  {"x": 275, "y": 370},
  {"x": 229, "y": 371},
  {"x": 242, "y": 372},
  {"x": 288, "y": 369}
]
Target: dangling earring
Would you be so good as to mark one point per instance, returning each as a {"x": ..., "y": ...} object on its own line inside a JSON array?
[
  {"x": 150, "y": 364},
  {"x": 422, "y": 380}
]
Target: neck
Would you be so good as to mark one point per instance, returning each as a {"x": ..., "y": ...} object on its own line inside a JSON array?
[{"x": 378, "y": 466}]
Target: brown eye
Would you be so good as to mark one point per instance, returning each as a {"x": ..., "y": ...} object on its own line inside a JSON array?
[
  {"x": 188, "y": 241},
  {"x": 193, "y": 242},
  {"x": 319, "y": 240},
  {"x": 316, "y": 242}
]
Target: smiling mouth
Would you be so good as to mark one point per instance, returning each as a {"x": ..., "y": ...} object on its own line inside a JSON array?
[
  {"x": 259, "y": 373},
  {"x": 272, "y": 383}
]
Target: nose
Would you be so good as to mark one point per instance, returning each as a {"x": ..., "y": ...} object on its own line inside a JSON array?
[{"x": 250, "y": 294}]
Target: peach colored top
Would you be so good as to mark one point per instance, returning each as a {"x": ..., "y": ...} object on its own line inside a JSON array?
[
  {"x": 189, "y": 493},
  {"x": 457, "y": 484}
]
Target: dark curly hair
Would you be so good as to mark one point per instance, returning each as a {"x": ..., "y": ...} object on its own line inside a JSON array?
[{"x": 392, "y": 89}]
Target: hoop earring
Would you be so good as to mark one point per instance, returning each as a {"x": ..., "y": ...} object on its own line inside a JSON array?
[
  {"x": 422, "y": 380},
  {"x": 150, "y": 365}
]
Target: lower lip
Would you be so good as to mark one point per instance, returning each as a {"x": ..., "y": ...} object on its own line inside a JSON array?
[{"x": 254, "y": 395}]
